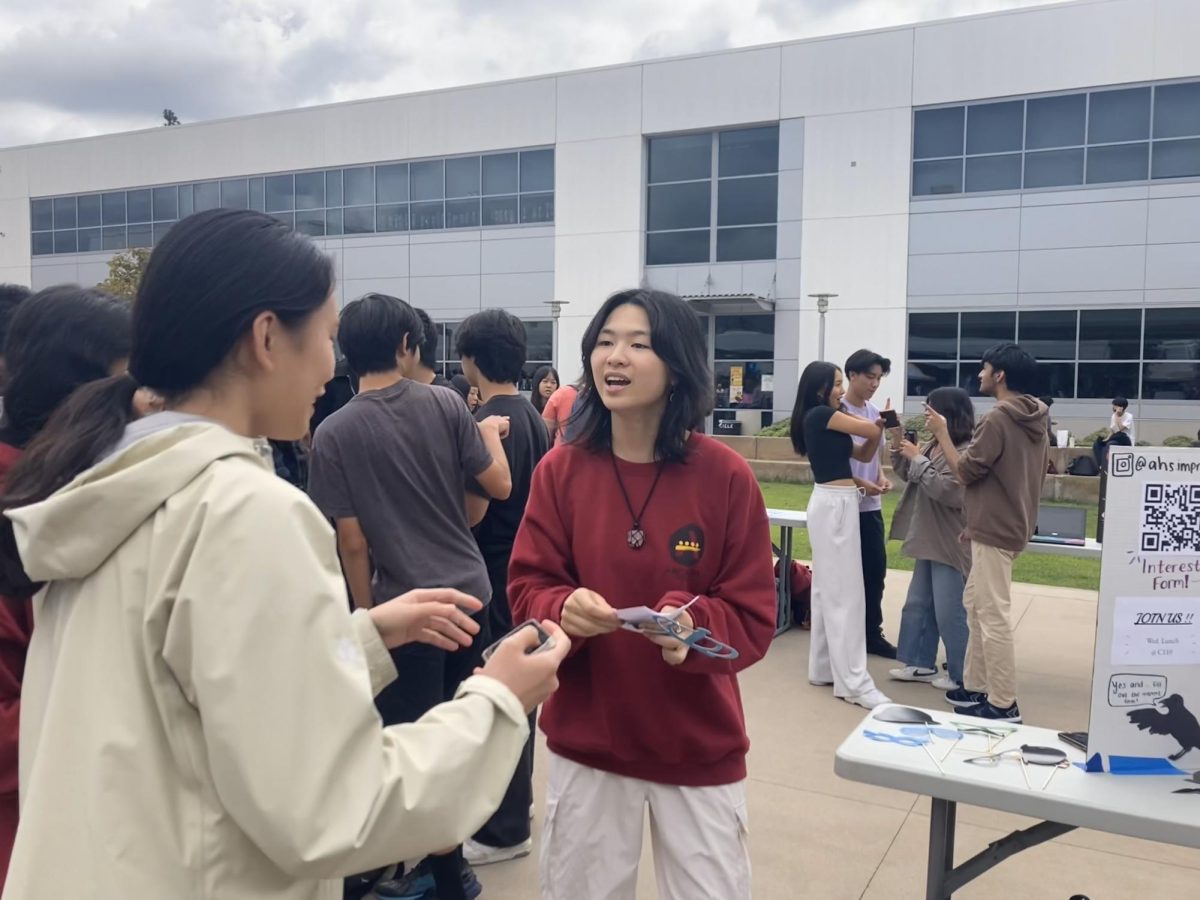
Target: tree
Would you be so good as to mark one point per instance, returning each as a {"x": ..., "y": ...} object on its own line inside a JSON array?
[
  {"x": 125, "y": 273},
  {"x": 169, "y": 117}
]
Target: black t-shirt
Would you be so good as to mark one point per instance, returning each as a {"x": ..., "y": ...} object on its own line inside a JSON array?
[
  {"x": 828, "y": 451},
  {"x": 527, "y": 442}
]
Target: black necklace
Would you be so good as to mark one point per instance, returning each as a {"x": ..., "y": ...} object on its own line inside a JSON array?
[{"x": 636, "y": 538}]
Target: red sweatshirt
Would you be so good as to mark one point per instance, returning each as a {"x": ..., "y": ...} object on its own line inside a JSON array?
[
  {"x": 620, "y": 707},
  {"x": 16, "y": 625}
]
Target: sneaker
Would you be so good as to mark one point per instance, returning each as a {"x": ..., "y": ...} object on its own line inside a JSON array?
[
  {"x": 478, "y": 854},
  {"x": 415, "y": 885},
  {"x": 985, "y": 710},
  {"x": 869, "y": 700},
  {"x": 881, "y": 646},
  {"x": 963, "y": 698},
  {"x": 913, "y": 673},
  {"x": 945, "y": 683}
]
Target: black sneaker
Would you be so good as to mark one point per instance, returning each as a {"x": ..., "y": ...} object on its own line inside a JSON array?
[
  {"x": 963, "y": 698},
  {"x": 881, "y": 646},
  {"x": 985, "y": 710}
]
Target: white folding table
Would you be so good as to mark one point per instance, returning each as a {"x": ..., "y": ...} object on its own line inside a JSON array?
[{"x": 1143, "y": 806}]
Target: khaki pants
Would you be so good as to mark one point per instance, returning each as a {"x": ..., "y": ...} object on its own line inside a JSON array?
[{"x": 991, "y": 665}]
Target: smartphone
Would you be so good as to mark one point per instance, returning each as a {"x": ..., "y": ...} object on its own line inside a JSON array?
[
  {"x": 1077, "y": 739},
  {"x": 545, "y": 641},
  {"x": 890, "y": 418},
  {"x": 910, "y": 436}
]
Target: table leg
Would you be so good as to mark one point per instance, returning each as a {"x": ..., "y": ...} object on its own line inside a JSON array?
[
  {"x": 783, "y": 611},
  {"x": 942, "y": 816}
]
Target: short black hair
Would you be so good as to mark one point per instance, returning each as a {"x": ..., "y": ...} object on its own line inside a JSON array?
[
  {"x": 861, "y": 361},
  {"x": 495, "y": 340},
  {"x": 1019, "y": 367},
  {"x": 1121, "y": 402},
  {"x": 816, "y": 382},
  {"x": 429, "y": 341},
  {"x": 373, "y": 330},
  {"x": 11, "y": 296}
]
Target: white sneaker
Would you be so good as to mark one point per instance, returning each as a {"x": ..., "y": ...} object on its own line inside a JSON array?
[
  {"x": 870, "y": 699},
  {"x": 913, "y": 673},
  {"x": 482, "y": 855},
  {"x": 945, "y": 683}
]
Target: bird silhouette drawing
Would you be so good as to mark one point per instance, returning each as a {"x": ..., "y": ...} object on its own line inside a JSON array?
[{"x": 1173, "y": 719}]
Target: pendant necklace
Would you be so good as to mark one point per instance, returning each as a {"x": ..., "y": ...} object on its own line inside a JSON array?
[{"x": 636, "y": 538}]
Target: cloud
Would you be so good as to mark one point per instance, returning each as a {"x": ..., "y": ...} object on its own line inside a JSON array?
[{"x": 70, "y": 68}]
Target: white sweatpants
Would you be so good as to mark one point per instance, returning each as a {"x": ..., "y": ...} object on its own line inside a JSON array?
[
  {"x": 837, "y": 649},
  {"x": 592, "y": 837}
]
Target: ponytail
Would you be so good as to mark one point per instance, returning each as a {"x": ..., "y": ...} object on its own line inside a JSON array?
[{"x": 85, "y": 427}]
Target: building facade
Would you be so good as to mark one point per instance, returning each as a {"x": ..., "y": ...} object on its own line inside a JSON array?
[{"x": 1029, "y": 175}]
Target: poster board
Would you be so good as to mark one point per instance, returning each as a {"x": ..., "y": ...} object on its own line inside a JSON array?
[{"x": 1146, "y": 677}]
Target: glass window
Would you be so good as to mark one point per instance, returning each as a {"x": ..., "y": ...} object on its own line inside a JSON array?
[
  {"x": 310, "y": 192},
  {"x": 1122, "y": 115},
  {"x": 41, "y": 214},
  {"x": 359, "y": 220},
  {"x": 687, "y": 205},
  {"x": 994, "y": 173},
  {"x": 311, "y": 221},
  {"x": 113, "y": 208},
  {"x": 161, "y": 229},
  {"x": 1177, "y": 110},
  {"x": 1107, "y": 380},
  {"x": 186, "y": 201},
  {"x": 462, "y": 177},
  {"x": 671, "y": 247},
  {"x": 1110, "y": 333},
  {"x": 64, "y": 212},
  {"x": 166, "y": 204},
  {"x": 1172, "y": 333},
  {"x": 1171, "y": 381},
  {"x": 748, "y": 393},
  {"x": 333, "y": 221},
  {"x": 537, "y": 170},
  {"x": 539, "y": 340},
  {"x": 980, "y": 331},
  {"x": 258, "y": 194},
  {"x": 43, "y": 243},
  {"x": 1049, "y": 334},
  {"x": 427, "y": 216},
  {"x": 392, "y": 217},
  {"x": 1052, "y": 168},
  {"x": 1120, "y": 162},
  {"x": 89, "y": 210},
  {"x": 968, "y": 378},
  {"x": 748, "y": 151},
  {"x": 923, "y": 377},
  {"x": 113, "y": 237},
  {"x": 747, "y": 201},
  {"x": 995, "y": 127},
  {"x": 140, "y": 236},
  {"x": 1171, "y": 159},
  {"x": 1055, "y": 380},
  {"x": 428, "y": 180},
  {"x": 1055, "y": 121},
  {"x": 358, "y": 186},
  {"x": 90, "y": 240},
  {"x": 933, "y": 336},
  {"x": 65, "y": 242},
  {"x": 500, "y": 211},
  {"x": 287, "y": 218},
  {"x": 938, "y": 132},
  {"x": 207, "y": 195},
  {"x": 735, "y": 244},
  {"x": 943, "y": 176},
  {"x": 140, "y": 206},
  {"x": 235, "y": 194},
  {"x": 391, "y": 183},
  {"x": 281, "y": 193},
  {"x": 333, "y": 187},
  {"x": 686, "y": 157},
  {"x": 500, "y": 174},
  {"x": 462, "y": 213},
  {"x": 537, "y": 208},
  {"x": 745, "y": 337}
]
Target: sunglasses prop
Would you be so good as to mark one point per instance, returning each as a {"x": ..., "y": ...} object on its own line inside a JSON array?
[{"x": 1047, "y": 757}]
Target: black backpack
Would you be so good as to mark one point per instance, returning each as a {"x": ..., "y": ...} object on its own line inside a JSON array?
[{"x": 1083, "y": 465}]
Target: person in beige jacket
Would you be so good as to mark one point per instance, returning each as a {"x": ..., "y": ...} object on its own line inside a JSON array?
[{"x": 197, "y": 715}]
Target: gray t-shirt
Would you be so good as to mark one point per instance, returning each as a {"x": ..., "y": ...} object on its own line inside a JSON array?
[{"x": 397, "y": 459}]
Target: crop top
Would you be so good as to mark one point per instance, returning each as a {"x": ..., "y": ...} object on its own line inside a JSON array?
[{"x": 828, "y": 451}]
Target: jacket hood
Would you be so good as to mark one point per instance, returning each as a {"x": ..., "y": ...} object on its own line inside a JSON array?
[
  {"x": 1028, "y": 413},
  {"x": 71, "y": 533}
]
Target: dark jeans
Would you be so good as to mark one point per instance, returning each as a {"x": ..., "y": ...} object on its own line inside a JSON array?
[
  {"x": 874, "y": 562},
  {"x": 1101, "y": 445}
]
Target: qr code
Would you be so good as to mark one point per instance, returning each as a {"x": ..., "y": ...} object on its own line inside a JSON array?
[{"x": 1171, "y": 518}]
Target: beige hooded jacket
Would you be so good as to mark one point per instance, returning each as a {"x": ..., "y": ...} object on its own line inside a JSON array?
[{"x": 197, "y": 719}]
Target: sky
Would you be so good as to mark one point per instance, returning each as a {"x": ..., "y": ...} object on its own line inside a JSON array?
[{"x": 72, "y": 68}]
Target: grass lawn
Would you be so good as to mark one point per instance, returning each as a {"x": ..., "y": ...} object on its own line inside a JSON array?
[{"x": 1035, "y": 568}]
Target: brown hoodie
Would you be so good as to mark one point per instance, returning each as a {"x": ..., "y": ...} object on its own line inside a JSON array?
[{"x": 1003, "y": 469}]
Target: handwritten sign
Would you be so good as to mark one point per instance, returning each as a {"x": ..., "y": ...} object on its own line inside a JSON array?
[
  {"x": 1156, "y": 631},
  {"x": 1136, "y": 690}
]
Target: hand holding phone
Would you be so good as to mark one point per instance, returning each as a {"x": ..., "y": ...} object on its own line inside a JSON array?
[
  {"x": 910, "y": 436},
  {"x": 544, "y": 640},
  {"x": 890, "y": 418}
]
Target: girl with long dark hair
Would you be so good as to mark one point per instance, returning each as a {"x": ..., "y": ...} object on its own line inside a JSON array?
[
  {"x": 545, "y": 383},
  {"x": 837, "y": 652},
  {"x": 197, "y": 715},
  {"x": 639, "y": 511}
]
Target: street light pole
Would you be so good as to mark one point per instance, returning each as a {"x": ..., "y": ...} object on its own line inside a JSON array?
[
  {"x": 822, "y": 308},
  {"x": 555, "y": 311}
]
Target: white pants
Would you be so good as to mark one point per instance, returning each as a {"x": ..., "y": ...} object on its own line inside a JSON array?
[
  {"x": 592, "y": 837},
  {"x": 837, "y": 650}
]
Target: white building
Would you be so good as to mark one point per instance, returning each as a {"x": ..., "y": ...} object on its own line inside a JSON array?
[{"x": 1032, "y": 174}]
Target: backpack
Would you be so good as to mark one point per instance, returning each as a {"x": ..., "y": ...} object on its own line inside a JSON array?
[{"x": 1083, "y": 465}]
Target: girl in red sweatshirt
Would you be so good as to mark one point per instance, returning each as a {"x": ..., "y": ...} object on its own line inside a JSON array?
[{"x": 639, "y": 509}]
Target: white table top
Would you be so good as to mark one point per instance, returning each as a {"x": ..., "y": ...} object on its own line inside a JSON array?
[{"x": 1135, "y": 805}]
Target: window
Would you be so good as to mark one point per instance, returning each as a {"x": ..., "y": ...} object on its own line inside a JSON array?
[
  {"x": 693, "y": 217},
  {"x": 166, "y": 204},
  {"x": 744, "y": 373},
  {"x": 138, "y": 205},
  {"x": 235, "y": 194},
  {"x": 462, "y": 177},
  {"x": 428, "y": 180},
  {"x": 310, "y": 190},
  {"x": 391, "y": 184},
  {"x": 89, "y": 210}
]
